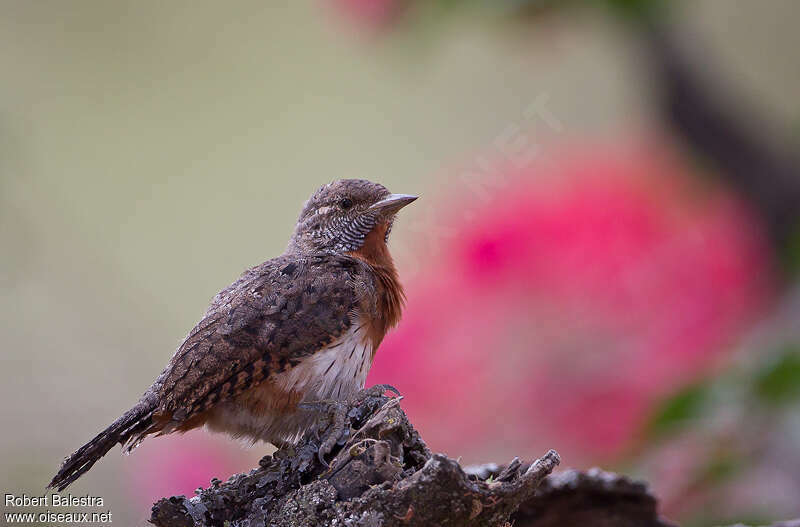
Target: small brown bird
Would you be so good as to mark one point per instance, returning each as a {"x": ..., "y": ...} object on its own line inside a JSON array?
[{"x": 300, "y": 328}]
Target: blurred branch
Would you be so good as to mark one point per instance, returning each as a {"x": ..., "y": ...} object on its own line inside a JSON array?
[
  {"x": 595, "y": 497},
  {"x": 765, "y": 172}
]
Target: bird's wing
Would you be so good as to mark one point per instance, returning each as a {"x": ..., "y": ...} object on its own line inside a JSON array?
[{"x": 271, "y": 318}]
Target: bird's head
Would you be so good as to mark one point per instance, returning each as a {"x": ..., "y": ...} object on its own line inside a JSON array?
[{"x": 341, "y": 215}]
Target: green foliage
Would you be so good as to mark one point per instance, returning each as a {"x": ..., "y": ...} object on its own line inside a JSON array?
[
  {"x": 677, "y": 410},
  {"x": 722, "y": 466},
  {"x": 778, "y": 381},
  {"x": 790, "y": 253},
  {"x": 704, "y": 519}
]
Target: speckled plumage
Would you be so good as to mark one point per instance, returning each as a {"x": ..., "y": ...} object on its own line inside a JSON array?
[{"x": 301, "y": 327}]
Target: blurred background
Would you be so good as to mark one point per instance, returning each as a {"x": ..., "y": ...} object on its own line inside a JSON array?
[{"x": 604, "y": 259}]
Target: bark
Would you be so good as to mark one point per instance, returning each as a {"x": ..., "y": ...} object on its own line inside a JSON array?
[{"x": 381, "y": 473}]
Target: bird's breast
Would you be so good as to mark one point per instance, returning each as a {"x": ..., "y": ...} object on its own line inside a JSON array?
[{"x": 335, "y": 371}]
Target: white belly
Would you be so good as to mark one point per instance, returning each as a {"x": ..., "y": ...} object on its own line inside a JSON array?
[{"x": 333, "y": 373}]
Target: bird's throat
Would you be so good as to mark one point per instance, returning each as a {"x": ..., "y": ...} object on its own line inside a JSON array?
[
  {"x": 374, "y": 250},
  {"x": 390, "y": 294}
]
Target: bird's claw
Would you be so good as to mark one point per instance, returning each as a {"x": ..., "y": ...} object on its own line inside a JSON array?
[{"x": 336, "y": 412}]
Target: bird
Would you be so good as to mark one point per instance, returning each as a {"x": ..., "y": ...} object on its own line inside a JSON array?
[{"x": 292, "y": 331}]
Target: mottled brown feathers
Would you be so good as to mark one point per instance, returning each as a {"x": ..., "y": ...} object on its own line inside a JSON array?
[{"x": 266, "y": 322}]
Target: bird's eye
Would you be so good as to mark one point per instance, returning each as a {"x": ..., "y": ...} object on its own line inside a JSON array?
[{"x": 346, "y": 203}]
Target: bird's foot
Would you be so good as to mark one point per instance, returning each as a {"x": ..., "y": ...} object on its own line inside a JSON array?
[
  {"x": 336, "y": 414},
  {"x": 338, "y": 428}
]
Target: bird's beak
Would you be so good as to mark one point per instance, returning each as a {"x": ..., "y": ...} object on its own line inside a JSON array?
[{"x": 392, "y": 203}]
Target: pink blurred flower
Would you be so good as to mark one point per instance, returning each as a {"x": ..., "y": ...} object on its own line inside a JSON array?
[
  {"x": 569, "y": 301},
  {"x": 179, "y": 464}
]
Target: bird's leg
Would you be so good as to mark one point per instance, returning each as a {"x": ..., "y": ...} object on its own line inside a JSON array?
[{"x": 336, "y": 411}]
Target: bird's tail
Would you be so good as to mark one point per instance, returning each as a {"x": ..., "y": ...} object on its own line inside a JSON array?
[{"x": 129, "y": 430}]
